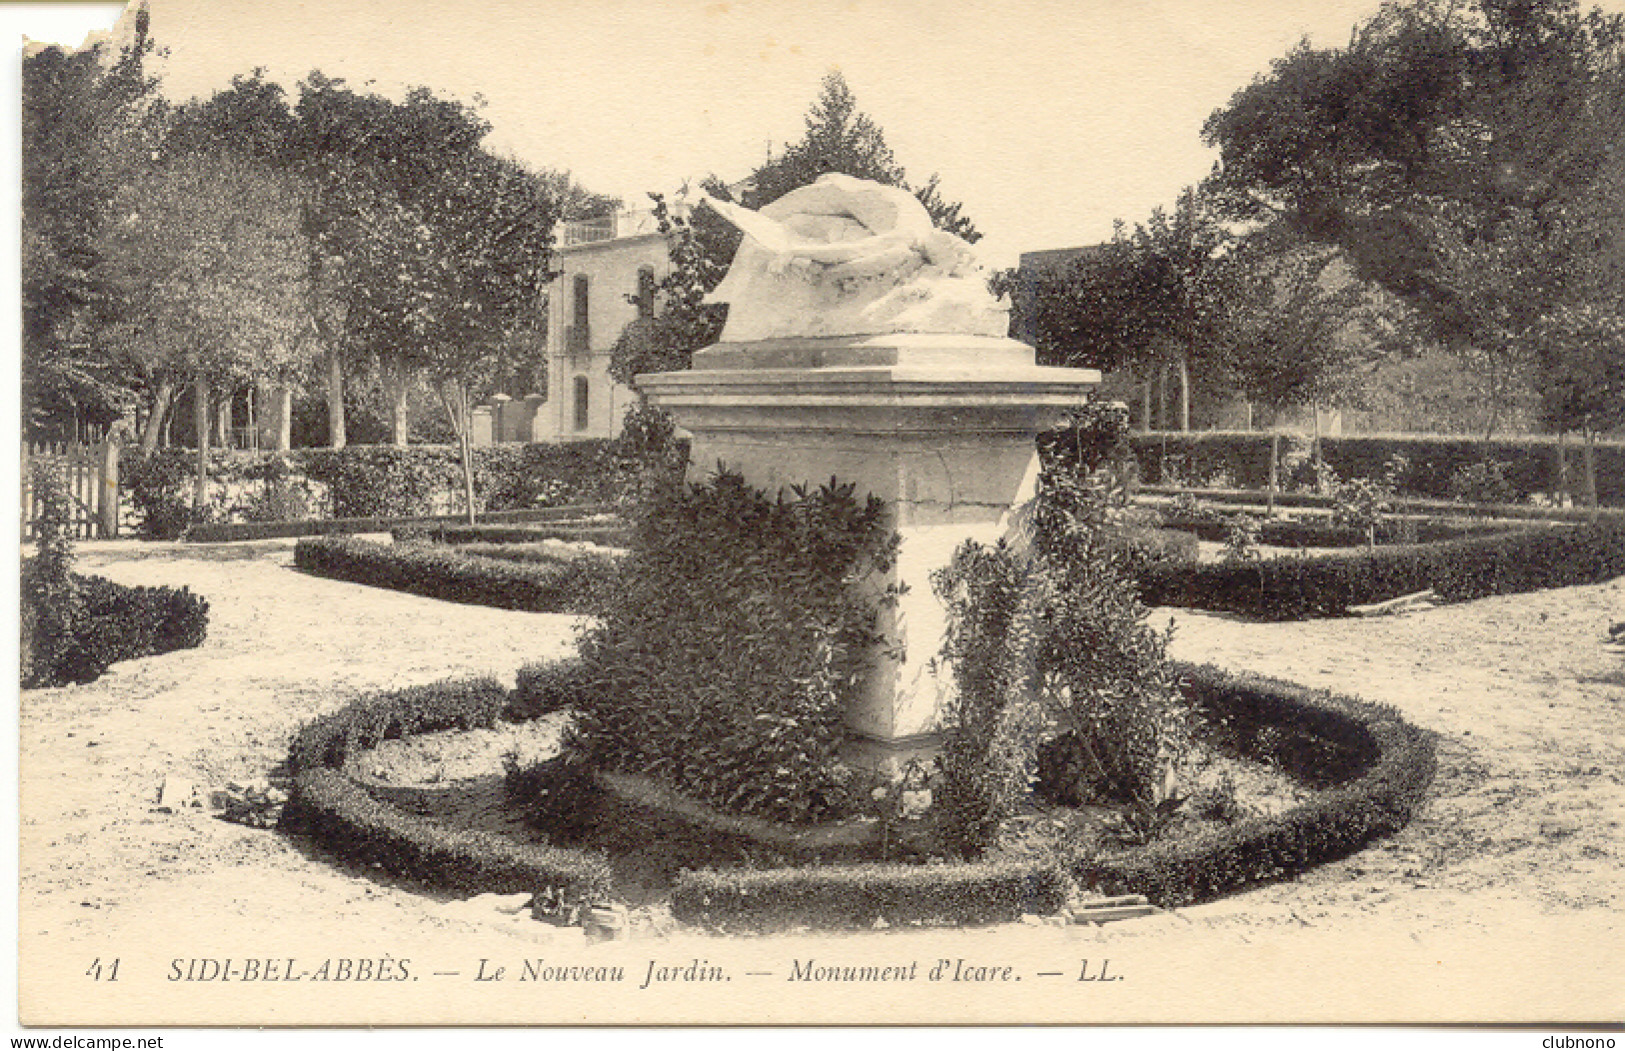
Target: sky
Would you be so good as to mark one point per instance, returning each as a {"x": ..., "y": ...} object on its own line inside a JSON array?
[{"x": 1046, "y": 118}]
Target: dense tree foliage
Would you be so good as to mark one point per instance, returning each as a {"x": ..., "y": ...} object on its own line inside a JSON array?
[
  {"x": 88, "y": 120},
  {"x": 1450, "y": 150}
]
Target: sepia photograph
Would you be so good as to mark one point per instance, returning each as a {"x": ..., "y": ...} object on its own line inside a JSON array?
[{"x": 736, "y": 513}]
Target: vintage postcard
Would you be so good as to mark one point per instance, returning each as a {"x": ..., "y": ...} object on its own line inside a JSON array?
[{"x": 1151, "y": 549}]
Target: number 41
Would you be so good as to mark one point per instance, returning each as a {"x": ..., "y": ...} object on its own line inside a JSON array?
[{"x": 94, "y": 971}]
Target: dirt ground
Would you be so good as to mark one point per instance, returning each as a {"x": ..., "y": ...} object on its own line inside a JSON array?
[{"x": 1505, "y": 899}]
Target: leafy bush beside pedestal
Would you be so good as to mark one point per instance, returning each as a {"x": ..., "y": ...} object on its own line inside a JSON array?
[{"x": 725, "y": 659}]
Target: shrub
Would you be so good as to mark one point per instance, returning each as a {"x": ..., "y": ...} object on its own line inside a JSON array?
[
  {"x": 729, "y": 648},
  {"x": 1048, "y": 636},
  {"x": 1380, "y": 765},
  {"x": 1481, "y": 483},
  {"x": 52, "y": 607},
  {"x": 858, "y": 896},
  {"x": 1241, "y": 536},
  {"x": 75, "y": 626},
  {"x": 1296, "y": 587},
  {"x": 541, "y": 689},
  {"x": 433, "y": 571},
  {"x": 160, "y": 487}
]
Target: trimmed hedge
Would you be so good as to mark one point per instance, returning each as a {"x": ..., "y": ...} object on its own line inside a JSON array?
[
  {"x": 228, "y": 532},
  {"x": 1287, "y": 532},
  {"x": 1433, "y": 460},
  {"x": 458, "y": 704},
  {"x": 372, "y": 481},
  {"x": 1381, "y": 767},
  {"x": 342, "y": 815},
  {"x": 339, "y": 813},
  {"x": 112, "y": 623},
  {"x": 435, "y": 571},
  {"x": 610, "y": 533},
  {"x": 1294, "y": 588},
  {"x": 857, "y": 896}
]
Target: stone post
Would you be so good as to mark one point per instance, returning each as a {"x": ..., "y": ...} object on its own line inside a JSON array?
[
  {"x": 941, "y": 427},
  {"x": 480, "y": 431},
  {"x": 534, "y": 421}
]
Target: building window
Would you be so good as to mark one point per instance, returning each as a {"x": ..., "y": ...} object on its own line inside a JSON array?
[
  {"x": 646, "y": 291},
  {"x": 583, "y": 405},
  {"x": 581, "y": 302}
]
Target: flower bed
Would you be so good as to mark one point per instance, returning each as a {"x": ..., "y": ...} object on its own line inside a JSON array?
[
  {"x": 1374, "y": 767},
  {"x": 1295, "y": 587},
  {"x": 1380, "y": 766},
  {"x": 333, "y": 809}
]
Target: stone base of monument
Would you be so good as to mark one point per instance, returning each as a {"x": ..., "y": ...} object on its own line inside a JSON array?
[{"x": 940, "y": 427}]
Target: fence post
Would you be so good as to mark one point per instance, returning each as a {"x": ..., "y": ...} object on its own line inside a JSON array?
[{"x": 107, "y": 488}]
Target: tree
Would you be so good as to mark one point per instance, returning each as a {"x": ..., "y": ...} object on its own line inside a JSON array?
[
  {"x": 1302, "y": 332},
  {"x": 841, "y": 138},
  {"x": 88, "y": 120},
  {"x": 449, "y": 279},
  {"x": 206, "y": 261},
  {"x": 1154, "y": 299},
  {"x": 698, "y": 245},
  {"x": 1444, "y": 134}
]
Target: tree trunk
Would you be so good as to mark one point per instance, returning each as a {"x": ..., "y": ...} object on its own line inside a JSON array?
[
  {"x": 155, "y": 423},
  {"x": 222, "y": 427},
  {"x": 1314, "y": 412},
  {"x": 1184, "y": 394},
  {"x": 1560, "y": 475},
  {"x": 454, "y": 399},
  {"x": 1145, "y": 406},
  {"x": 395, "y": 383},
  {"x": 335, "y": 400},
  {"x": 1275, "y": 473},
  {"x": 1248, "y": 404},
  {"x": 200, "y": 419},
  {"x": 1162, "y": 398},
  {"x": 1588, "y": 460}
]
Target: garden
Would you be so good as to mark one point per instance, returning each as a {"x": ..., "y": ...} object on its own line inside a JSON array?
[{"x": 690, "y": 762}]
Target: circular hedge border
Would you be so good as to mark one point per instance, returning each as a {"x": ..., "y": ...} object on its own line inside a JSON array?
[{"x": 1377, "y": 768}]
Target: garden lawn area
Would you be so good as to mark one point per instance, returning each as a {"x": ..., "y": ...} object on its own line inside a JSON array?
[{"x": 1520, "y": 850}]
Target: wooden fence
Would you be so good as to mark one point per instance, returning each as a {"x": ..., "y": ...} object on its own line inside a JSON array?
[{"x": 90, "y": 474}]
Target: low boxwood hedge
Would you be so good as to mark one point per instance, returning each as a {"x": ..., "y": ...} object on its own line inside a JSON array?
[
  {"x": 1434, "y": 460},
  {"x": 1381, "y": 766},
  {"x": 1293, "y": 588},
  {"x": 857, "y": 896},
  {"x": 612, "y": 533},
  {"x": 1290, "y": 532},
  {"x": 437, "y": 571},
  {"x": 111, "y": 623},
  {"x": 331, "y": 808}
]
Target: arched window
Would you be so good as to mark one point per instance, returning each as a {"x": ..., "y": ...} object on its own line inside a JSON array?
[
  {"x": 583, "y": 405},
  {"x": 646, "y": 291}
]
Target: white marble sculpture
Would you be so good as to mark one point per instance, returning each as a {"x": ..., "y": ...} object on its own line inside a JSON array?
[{"x": 850, "y": 257}]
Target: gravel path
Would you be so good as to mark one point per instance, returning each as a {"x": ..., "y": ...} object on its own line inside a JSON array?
[{"x": 1505, "y": 899}]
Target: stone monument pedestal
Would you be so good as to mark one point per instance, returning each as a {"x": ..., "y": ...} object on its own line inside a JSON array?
[{"x": 940, "y": 427}]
